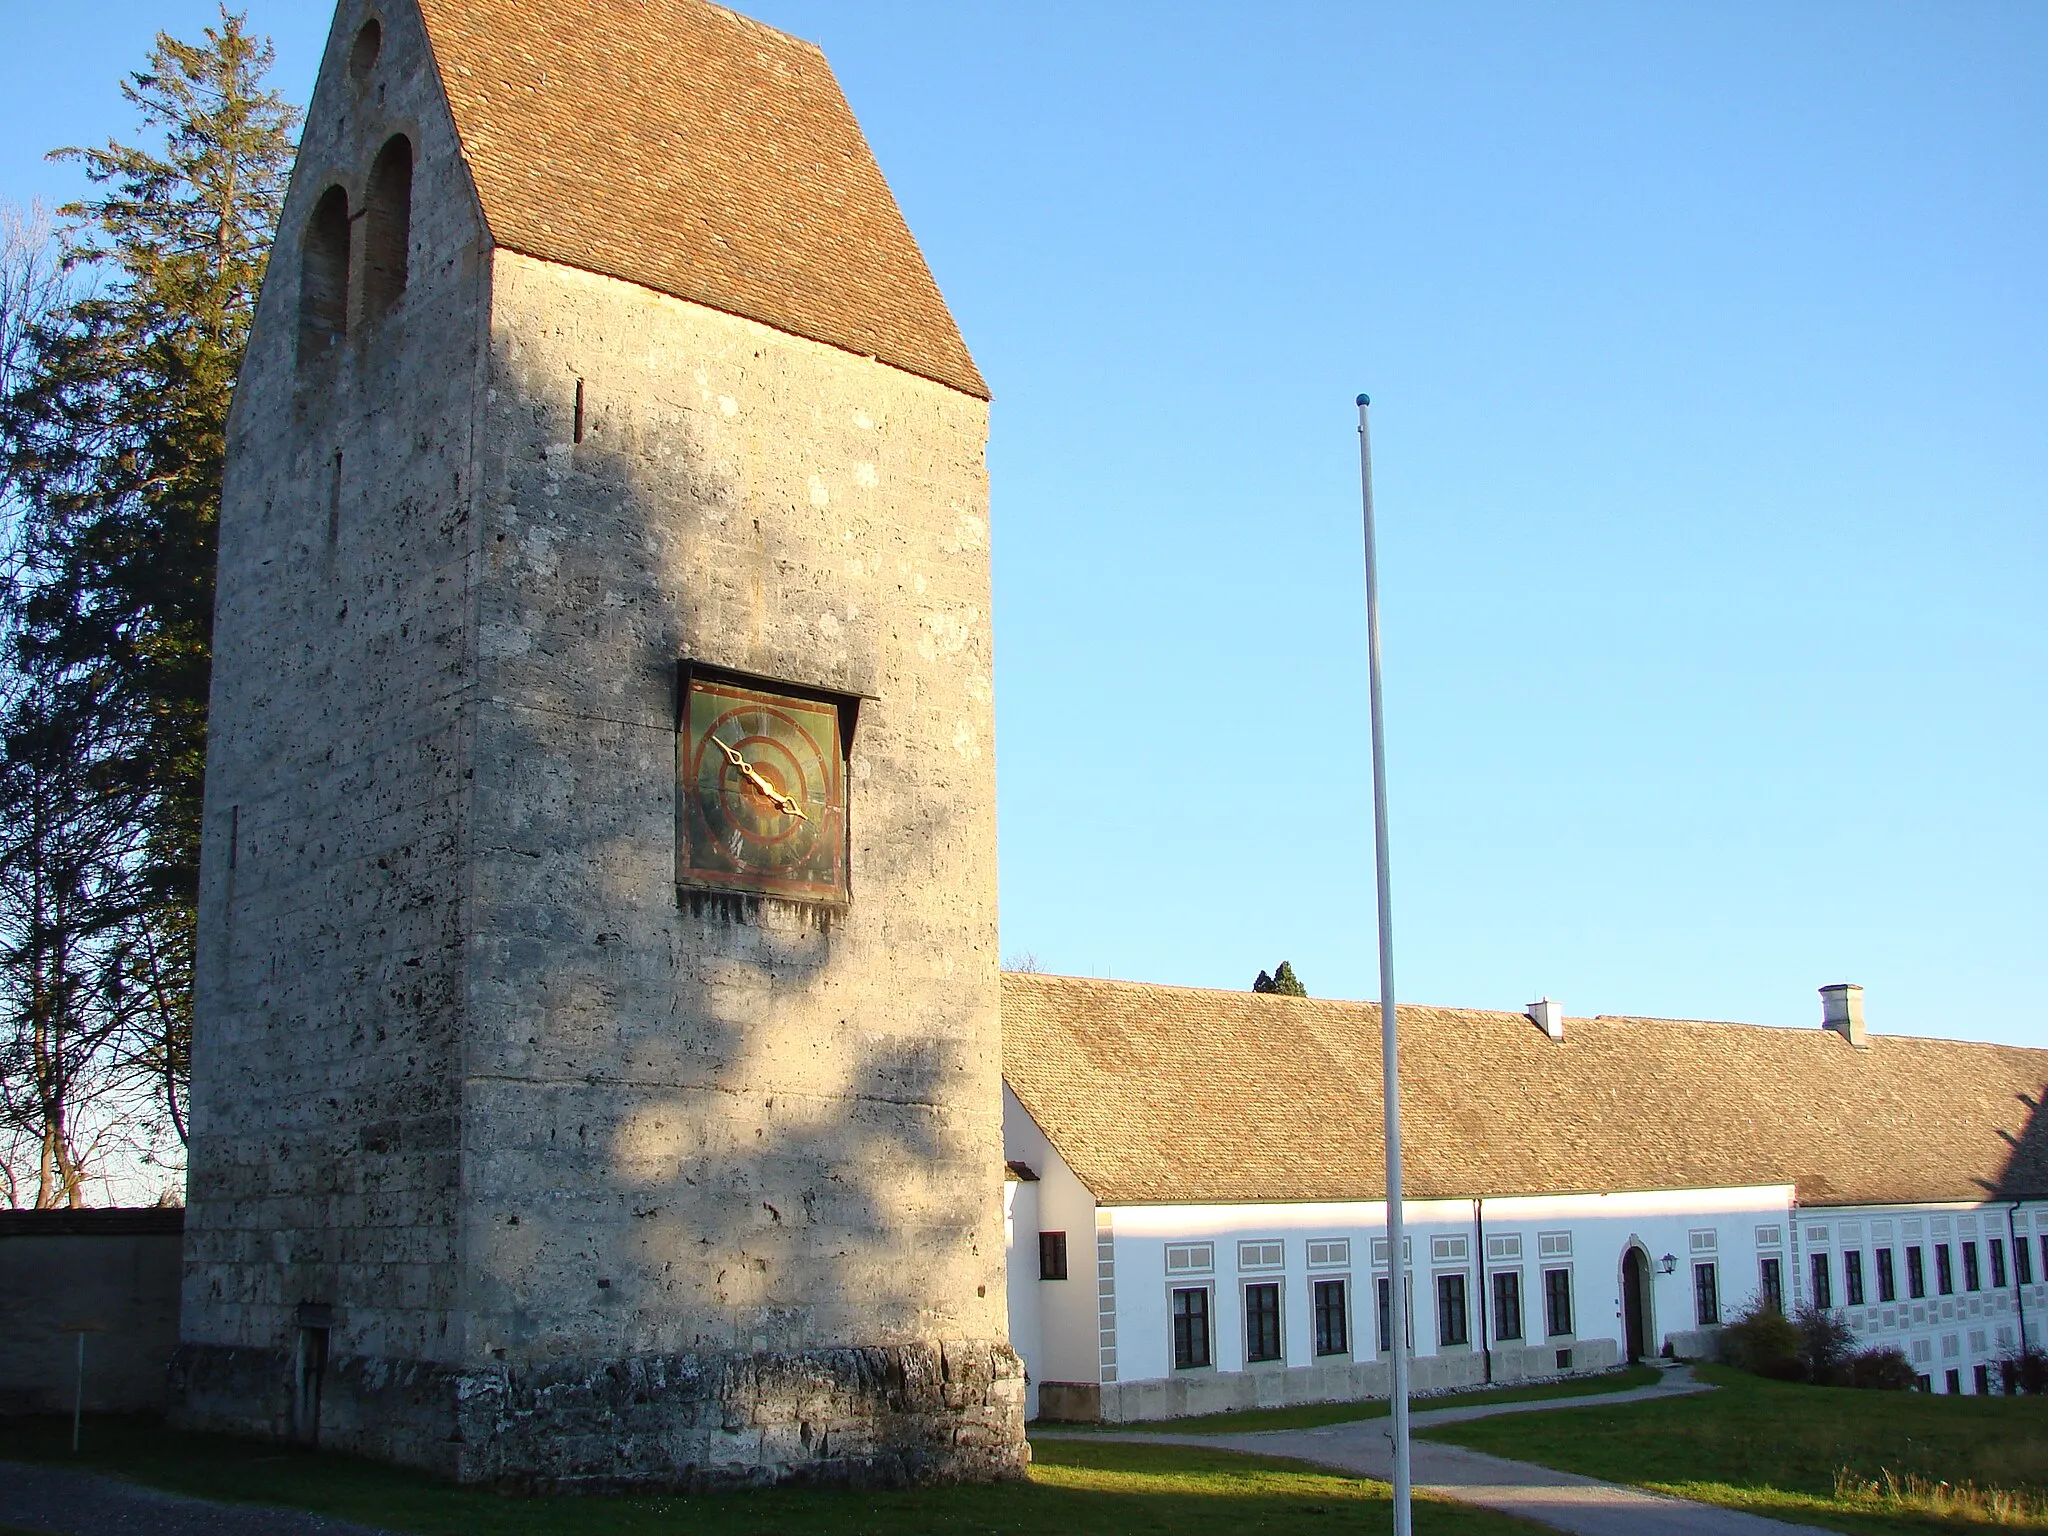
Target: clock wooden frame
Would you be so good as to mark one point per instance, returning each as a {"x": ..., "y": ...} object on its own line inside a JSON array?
[{"x": 762, "y": 786}]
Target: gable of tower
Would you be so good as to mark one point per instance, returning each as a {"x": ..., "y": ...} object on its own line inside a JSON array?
[{"x": 687, "y": 149}]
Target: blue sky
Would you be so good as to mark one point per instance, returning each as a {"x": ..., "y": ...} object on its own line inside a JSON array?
[{"x": 1709, "y": 352}]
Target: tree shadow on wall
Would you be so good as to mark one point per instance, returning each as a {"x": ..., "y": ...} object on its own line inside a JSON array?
[
  {"x": 2025, "y": 1174},
  {"x": 698, "y": 1125}
]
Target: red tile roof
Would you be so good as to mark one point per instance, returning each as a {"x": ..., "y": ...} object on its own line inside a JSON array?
[{"x": 677, "y": 145}]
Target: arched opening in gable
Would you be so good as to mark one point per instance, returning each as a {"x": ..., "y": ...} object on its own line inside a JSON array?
[
  {"x": 362, "y": 57},
  {"x": 387, "y": 227},
  {"x": 323, "y": 276}
]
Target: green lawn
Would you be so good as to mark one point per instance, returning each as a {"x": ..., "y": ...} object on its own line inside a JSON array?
[
  {"x": 1801, "y": 1453},
  {"x": 1076, "y": 1489},
  {"x": 1315, "y": 1415}
]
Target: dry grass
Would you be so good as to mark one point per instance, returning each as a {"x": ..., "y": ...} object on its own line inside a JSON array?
[{"x": 1890, "y": 1493}]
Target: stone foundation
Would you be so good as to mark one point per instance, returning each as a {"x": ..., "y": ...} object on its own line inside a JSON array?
[
  {"x": 866, "y": 1417},
  {"x": 1199, "y": 1392}
]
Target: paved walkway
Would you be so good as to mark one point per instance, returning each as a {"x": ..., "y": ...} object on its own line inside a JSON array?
[
  {"x": 1565, "y": 1501},
  {"x": 57, "y": 1499}
]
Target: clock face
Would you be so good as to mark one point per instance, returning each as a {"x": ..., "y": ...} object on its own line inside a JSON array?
[{"x": 761, "y": 793}]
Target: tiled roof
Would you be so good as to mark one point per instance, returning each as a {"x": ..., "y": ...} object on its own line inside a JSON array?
[
  {"x": 677, "y": 145},
  {"x": 1170, "y": 1094}
]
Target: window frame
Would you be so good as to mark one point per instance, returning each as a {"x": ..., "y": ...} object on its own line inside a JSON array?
[
  {"x": 1770, "y": 1279},
  {"x": 1052, "y": 1256},
  {"x": 1323, "y": 1314},
  {"x": 1706, "y": 1294},
  {"x": 1821, "y": 1278},
  {"x": 1916, "y": 1273},
  {"x": 1263, "y": 1317},
  {"x": 1996, "y": 1250},
  {"x": 1887, "y": 1279},
  {"x": 1382, "y": 1294},
  {"x": 2022, "y": 1261},
  {"x": 1973, "y": 1268},
  {"x": 1454, "y": 1306},
  {"x": 1557, "y": 1297},
  {"x": 1944, "y": 1269},
  {"x": 1852, "y": 1277},
  {"x": 1182, "y": 1334},
  {"x": 1511, "y": 1306}
]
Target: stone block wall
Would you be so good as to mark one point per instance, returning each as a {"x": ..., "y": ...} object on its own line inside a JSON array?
[
  {"x": 326, "y": 1145},
  {"x": 508, "y": 1159}
]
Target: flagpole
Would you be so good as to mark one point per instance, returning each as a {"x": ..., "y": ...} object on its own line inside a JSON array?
[{"x": 1397, "y": 1270}]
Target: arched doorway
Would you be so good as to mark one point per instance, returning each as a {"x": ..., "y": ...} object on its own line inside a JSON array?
[{"x": 1635, "y": 1302}]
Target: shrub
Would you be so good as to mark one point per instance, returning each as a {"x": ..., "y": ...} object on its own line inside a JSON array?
[
  {"x": 1884, "y": 1369},
  {"x": 2023, "y": 1369},
  {"x": 1825, "y": 1345},
  {"x": 1765, "y": 1342}
]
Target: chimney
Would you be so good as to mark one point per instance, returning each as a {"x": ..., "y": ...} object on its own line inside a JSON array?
[
  {"x": 1841, "y": 1009},
  {"x": 1549, "y": 1018}
]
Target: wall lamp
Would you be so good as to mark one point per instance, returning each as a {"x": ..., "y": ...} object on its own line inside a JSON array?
[{"x": 1667, "y": 1264}]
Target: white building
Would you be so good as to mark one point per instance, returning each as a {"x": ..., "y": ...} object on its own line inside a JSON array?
[{"x": 1196, "y": 1204}]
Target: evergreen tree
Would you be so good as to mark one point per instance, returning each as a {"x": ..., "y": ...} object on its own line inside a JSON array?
[
  {"x": 1282, "y": 983},
  {"x": 112, "y": 444}
]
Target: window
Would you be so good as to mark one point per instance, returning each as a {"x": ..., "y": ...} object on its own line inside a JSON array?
[
  {"x": 2044, "y": 1253},
  {"x": 1553, "y": 1245},
  {"x": 1451, "y": 1325},
  {"x": 1261, "y": 1255},
  {"x": 1997, "y": 1246},
  {"x": 1706, "y": 1296},
  {"x": 1983, "y": 1374},
  {"x": 1190, "y": 1258},
  {"x": 1262, "y": 1321},
  {"x": 1052, "y": 1255},
  {"x": 1449, "y": 1250},
  {"x": 1944, "y": 1270},
  {"x": 1916, "y": 1274},
  {"x": 1326, "y": 1251},
  {"x": 1973, "y": 1280},
  {"x": 1773, "y": 1278},
  {"x": 1706, "y": 1241},
  {"x": 1504, "y": 1247},
  {"x": 1823, "y": 1282},
  {"x": 1770, "y": 1237},
  {"x": 1852, "y": 1277},
  {"x": 387, "y": 227},
  {"x": 1887, "y": 1282},
  {"x": 323, "y": 276},
  {"x": 1557, "y": 1302},
  {"x": 2022, "y": 1261},
  {"x": 1190, "y": 1328},
  {"x": 1383, "y": 1298},
  {"x": 1507, "y": 1304},
  {"x": 1333, "y": 1332}
]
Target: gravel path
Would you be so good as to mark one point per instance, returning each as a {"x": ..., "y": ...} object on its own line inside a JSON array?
[
  {"x": 1564, "y": 1501},
  {"x": 68, "y": 1503}
]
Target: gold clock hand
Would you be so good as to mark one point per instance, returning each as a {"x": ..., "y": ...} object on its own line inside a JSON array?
[{"x": 783, "y": 803}]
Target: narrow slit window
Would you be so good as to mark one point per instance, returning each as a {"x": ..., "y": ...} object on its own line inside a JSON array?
[
  {"x": 334, "y": 500},
  {"x": 579, "y": 410}
]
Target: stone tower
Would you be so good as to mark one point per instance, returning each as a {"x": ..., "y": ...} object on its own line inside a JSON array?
[{"x": 596, "y": 1074}]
